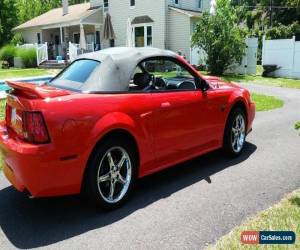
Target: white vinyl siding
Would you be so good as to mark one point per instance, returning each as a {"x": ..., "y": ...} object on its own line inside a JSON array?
[
  {"x": 96, "y": 3},
  {"x": 179, "y": 35},
  {"x": 191, "y": 4},
  {"x": 205, "y": 5},
  {"x": 156, "y": 10},
  {"x": 30, "y": 35}
]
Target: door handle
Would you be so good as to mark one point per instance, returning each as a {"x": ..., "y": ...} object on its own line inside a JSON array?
[{"x": 166, "y": 105}]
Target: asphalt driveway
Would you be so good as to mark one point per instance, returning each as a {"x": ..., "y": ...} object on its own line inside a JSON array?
[{"x": 188, "y": 206}]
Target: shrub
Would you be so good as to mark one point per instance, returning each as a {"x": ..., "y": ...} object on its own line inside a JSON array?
[
  {"x": 297, "y": 126},
  {"x": 284, "y": 31},
  {"x": 17, "y": 39},
  {"x": 220, "y": 37},
  {"x": 28, "y": 57},
  {"x": 7, "y": 53}
]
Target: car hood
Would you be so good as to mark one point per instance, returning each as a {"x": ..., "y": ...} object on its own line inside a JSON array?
[{"x": 217, "y": 83}]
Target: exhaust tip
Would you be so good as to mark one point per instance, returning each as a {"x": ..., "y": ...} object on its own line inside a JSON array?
[{"x": 28, "y": 194}]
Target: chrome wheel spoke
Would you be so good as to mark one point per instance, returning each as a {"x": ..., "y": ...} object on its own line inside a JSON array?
[
  {"x": 121, "y": 162},
  {"x": 104, "y": 178},
  {"x": 234, "y": 130},
  {"x": 121, "y": 179},
  {"x": 110, "y": 160},
  {"x": 111, "y": 190}
]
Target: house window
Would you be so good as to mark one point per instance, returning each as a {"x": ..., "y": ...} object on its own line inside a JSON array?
[
  {"x": 112, "y": 43},
  {"x": 176, "y": 2},
  {"x": 105, "y": 3},
  {"x": 143, "y": 36},
  {"x": 132, "y": 3},
  {"x": 199, "y": 4},
  {"x": 38, "y": 36}
]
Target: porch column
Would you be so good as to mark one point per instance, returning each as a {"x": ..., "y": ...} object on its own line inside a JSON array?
[{"x": 61, "y": 35}]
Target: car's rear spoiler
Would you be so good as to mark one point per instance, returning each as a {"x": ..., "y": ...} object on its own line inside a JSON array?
[{"x": 34, "y": 91}]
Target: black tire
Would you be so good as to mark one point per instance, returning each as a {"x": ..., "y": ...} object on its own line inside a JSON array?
[
  {"x": 228, "y": 147},
  {"x": 92, "y": 189}
]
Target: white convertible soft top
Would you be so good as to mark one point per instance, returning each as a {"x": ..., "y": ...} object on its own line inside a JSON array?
[{"x": 117, "y": 66}]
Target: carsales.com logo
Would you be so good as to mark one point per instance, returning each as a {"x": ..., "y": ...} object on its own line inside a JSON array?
[{"x": 268, "y": 237}]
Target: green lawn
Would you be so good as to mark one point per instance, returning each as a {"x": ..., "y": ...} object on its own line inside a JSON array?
[
  {"x": 284, "y": 216},
  {"x": 258, "y": 79},
  {"x": 270, "y": 81},
  {"x": 15, "y": 73},
  {"x": 265, "y": 103}
]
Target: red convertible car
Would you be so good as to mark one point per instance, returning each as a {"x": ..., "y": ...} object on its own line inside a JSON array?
[{"x": 114, "y": 116}]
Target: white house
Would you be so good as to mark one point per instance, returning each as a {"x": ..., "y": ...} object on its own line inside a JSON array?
[{"x": 165, "y": 24}]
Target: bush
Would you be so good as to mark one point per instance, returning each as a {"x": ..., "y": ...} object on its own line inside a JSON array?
[
  {"x": 221, "y": 38},
  {"x": 17, "y": 39},
  {"x": 28, "y": 57},
  {"x": 7, "y": 53},
  {"x": 297, "y": 126},
  {"x": 284, "y": 31}
]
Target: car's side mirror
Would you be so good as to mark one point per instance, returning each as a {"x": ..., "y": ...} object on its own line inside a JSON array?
[{"x": 204, "y": 85}]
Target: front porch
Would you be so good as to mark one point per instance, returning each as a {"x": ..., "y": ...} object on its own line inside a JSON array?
[
  {"x": 65, "y": 41},
  {"x": 60, "y": 40}
]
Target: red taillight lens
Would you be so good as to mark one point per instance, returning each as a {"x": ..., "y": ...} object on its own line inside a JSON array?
[
  {"x": 34, "y": 128},
  {"x": 7, "y": 113}
]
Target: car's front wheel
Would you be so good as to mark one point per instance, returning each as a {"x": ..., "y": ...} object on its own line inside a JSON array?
[
  {"x": 111, "y": 173},
  {"x": 235, "y": 133}
]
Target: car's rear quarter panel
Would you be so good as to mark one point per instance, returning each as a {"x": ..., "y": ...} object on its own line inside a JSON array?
[{"x": 76, "y": 123}]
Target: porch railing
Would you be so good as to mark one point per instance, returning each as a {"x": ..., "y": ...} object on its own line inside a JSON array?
[
  {"x": 75, "y": 51},
  {"x": 41, "y": 53},
  {"x": 27, "y": 46}
]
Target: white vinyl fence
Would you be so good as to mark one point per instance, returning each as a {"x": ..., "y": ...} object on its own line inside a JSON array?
[
  {"x": 248, "y": 65},
  {"x": 41, "y": 53},
  {"x": 75, "y": 51},
  {"x": 285, "y": 53}
]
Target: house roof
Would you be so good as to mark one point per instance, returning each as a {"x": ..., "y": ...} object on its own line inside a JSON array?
[
  {"x": 142, "y": 19},
  {"x": 55, "y": 16},
  {"x": 190, "y": 13}
]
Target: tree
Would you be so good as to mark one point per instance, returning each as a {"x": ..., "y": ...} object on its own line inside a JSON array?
[
  {"x": 7, "y": 20},
  {"x": 220, "y": 37}
]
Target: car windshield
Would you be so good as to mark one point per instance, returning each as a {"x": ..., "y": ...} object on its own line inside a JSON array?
[{"x": 78, "y": 74}]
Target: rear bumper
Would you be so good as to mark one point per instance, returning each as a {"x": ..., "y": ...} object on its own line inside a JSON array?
[{"x": 38, "y": 169}]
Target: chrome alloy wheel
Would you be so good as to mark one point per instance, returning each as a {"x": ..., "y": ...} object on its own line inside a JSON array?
[
  {"x": 238, "y": 133},
  {"x": 114, "y": 174}
]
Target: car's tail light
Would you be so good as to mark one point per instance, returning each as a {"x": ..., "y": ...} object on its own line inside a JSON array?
[
  {"x": 34, "y": 128},
  {"x": 7, "y": 113}
]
